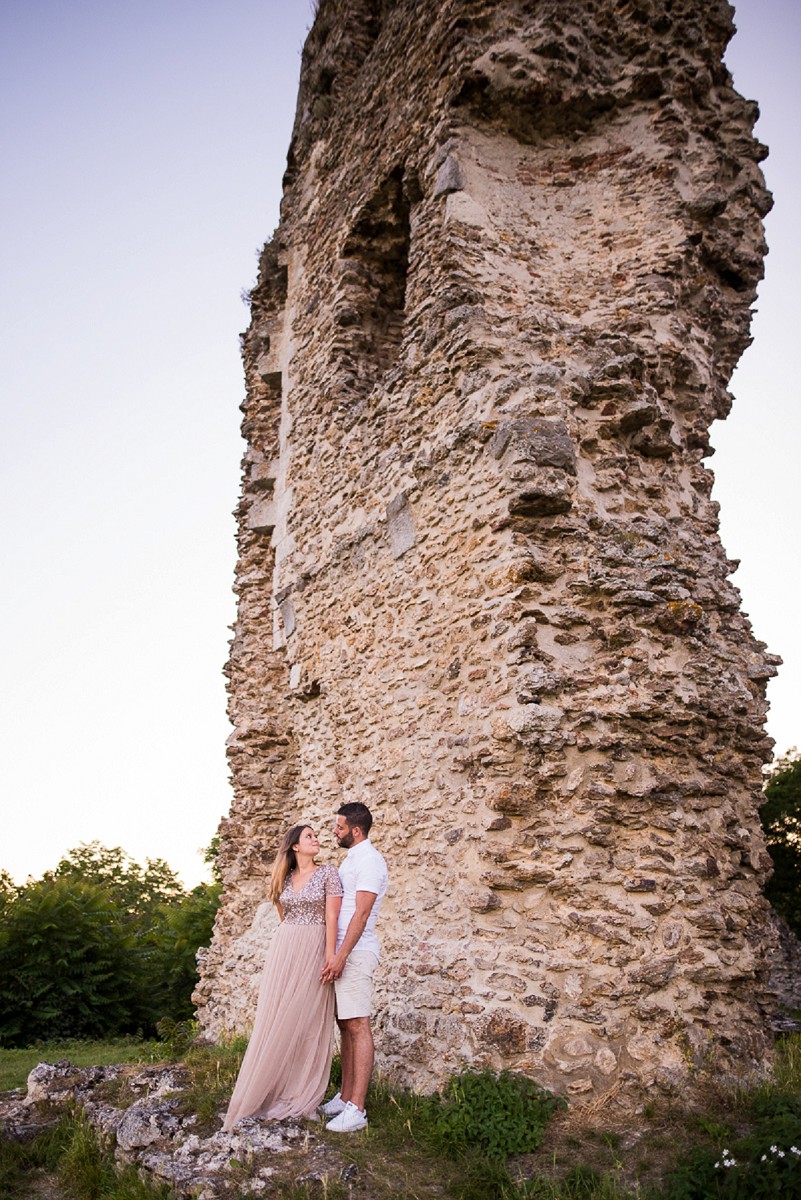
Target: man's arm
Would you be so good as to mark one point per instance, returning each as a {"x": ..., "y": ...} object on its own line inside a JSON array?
[{"x": 335, "y": 965}]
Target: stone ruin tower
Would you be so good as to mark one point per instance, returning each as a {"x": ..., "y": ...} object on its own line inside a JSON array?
[{"x": 480, "y": 580}]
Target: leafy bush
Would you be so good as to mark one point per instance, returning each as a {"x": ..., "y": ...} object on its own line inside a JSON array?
[
  {"x": 67, "y": 964},
  {"x": 498, "y": 1114},
  {"x": 100, "y": 946},
  {"x": 182, "y": 928}
]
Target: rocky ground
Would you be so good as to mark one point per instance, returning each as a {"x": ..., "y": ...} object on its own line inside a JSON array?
[{"x": 142, "y": 1109}]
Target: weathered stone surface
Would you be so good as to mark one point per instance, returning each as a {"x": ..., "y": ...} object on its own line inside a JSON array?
[
  {"x": 517, "y": 254},
  {"x": 147, "y": 1121},
  {"x": 157, "y": 1134}
]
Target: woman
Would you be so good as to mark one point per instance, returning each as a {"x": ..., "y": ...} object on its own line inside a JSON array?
[{"x": 285, "y": 1069}]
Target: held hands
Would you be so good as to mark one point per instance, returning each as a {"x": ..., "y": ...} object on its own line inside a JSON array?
[{"x": 332, "y": 969}]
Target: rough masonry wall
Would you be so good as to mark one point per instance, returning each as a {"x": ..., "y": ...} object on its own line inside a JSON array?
[{"x": 480, "y": 581}]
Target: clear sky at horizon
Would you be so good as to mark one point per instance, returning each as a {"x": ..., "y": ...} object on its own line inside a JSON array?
[{"x": 143, "y": 148}]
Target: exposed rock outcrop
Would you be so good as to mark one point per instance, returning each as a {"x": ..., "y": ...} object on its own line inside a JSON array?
[{"x": 140, "y": 1113}]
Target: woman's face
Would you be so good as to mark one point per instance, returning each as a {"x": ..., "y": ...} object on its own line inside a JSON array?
[{"x": 307, "y": 843}]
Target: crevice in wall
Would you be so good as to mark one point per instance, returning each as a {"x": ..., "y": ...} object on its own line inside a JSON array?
[{"x": 370, "y": 304}]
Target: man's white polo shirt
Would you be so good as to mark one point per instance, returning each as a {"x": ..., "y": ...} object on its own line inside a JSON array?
[{"x": 363, "y": 870}]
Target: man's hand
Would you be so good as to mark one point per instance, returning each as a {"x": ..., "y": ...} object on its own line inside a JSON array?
[{"x": 332, "y": 968}]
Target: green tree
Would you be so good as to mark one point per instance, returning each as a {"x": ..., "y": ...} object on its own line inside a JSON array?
[
  {"x": 100, "y": 945},
  {"x": 138, "y": 891},
  {"x": 66, "y": 964},
  {"x": 781, "y": 822},
  {"x": 211, "y": 856},
  {"x": 8, "y": 890},
  {"x": 187, "y": 928}
]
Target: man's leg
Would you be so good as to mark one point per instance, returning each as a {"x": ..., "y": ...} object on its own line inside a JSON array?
[
  {"x": 346, "y": 1059},
  {"x": 358, "y": 1035}
]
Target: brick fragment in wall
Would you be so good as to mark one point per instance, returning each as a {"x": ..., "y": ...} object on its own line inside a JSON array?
[{"x": 480, "y": 580}]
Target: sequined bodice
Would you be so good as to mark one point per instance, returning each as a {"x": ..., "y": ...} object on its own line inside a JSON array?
[{"x": 307, "y": 907}]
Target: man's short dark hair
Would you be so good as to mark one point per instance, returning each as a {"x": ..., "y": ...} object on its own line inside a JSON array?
[{"x": 358, "y": 815}]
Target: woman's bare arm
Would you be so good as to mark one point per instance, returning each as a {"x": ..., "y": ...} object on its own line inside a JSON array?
[{"x": 332, "y": 907}]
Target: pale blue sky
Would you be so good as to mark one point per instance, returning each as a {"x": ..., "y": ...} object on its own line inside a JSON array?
[{"x": 143, "y": 144}]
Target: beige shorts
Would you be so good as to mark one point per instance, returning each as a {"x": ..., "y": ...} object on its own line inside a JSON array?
[{"x": 354, "y": 988}]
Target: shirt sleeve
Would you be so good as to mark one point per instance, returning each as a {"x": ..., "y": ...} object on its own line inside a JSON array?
[
  {"x": 333, "y": 884},
  {"x": 371, "y": 876}
]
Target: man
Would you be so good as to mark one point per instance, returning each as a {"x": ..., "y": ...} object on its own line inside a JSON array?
[{"x": 364, "y": 880}]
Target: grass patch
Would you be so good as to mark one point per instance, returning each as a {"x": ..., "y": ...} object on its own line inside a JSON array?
[
  {"x": 16, "y": 1065},
  {"x": 19, "y": 1162},
  {"x": 452, "y": 1145},
  {"x": 86, "y": 1169},
  {"x": 75, "y": 1163},
  {"x": 485, "y": 1137},
  {"x": 212, "y": 1071},
  {"x": 787, "y": 1064}
]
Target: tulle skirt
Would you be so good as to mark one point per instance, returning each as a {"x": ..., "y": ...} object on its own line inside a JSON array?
[{"x": 286, "y": 1066}]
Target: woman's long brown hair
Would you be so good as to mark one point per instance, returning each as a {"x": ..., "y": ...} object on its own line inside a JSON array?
[{"x": 285, "y": 861}]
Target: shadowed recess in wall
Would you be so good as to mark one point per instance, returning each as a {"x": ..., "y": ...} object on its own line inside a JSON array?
[{"x": 372, "y": 271}]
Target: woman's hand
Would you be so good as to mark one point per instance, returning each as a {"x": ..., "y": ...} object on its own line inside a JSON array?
[{"x": 332, "y": 968}]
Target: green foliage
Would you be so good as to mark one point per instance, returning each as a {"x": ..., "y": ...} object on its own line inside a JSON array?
[
  {"x": 753, "y": 1169},
  {"x": 8, "y": 890},
  {"x": 136, "y": 891},
  {"x": 99, "y": 946},
  {"x": 787, "y": 1064},
  {"x": 580, "y": 1183},
  {"x": 176, "y": 1036},
  {"x": 174, "y": 943},
  {"x": 18, "y": 1160},
  {"x": 498, "y": 1114},
  {"x": 764, "y": 1161},
  {"x": 211, "y": 857},
  {"x": 83, "y": 1169},
  {"x": 781, "y": 821},
  {"x": 67, "y": 965}
]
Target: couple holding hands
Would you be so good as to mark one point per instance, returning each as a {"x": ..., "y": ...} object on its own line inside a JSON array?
[{"x": 325, "y": 948}]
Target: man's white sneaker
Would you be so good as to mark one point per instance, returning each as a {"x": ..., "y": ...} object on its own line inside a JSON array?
[
  {"x": 333, "y": 1107},
  {"x": 349, "y": 1120}
]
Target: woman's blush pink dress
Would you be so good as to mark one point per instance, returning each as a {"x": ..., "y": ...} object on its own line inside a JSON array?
[{"x": 286, "y": 1066}]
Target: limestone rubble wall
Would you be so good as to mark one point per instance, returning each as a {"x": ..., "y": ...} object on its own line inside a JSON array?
[{"x": 480, "y": 580}]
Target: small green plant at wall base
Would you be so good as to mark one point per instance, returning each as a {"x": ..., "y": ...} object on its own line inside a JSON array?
[
  {"x": 497, "y": 1114},
  {"x": 764, "y": 1163}
]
